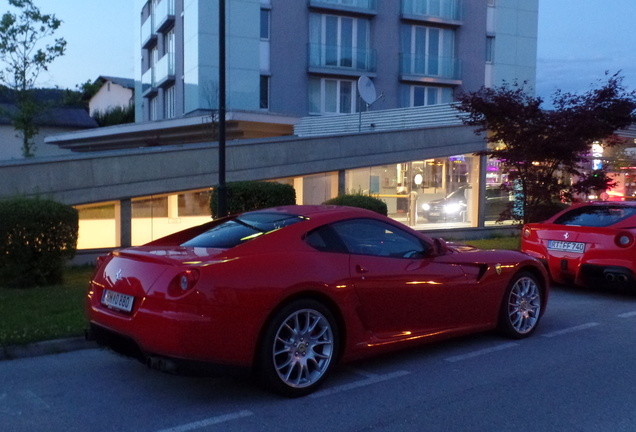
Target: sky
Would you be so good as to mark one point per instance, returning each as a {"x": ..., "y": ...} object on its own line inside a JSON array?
[{"x": 579, "y": 40}]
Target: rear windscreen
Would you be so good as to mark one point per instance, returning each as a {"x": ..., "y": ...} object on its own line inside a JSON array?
[
  {"x": 241, "y": 229},
  {"x": 596, "y": 216}
]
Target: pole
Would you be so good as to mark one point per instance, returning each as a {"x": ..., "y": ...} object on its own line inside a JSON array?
[{"x": 222, "y": 190}]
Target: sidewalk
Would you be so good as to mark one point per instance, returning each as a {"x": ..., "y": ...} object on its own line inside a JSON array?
[{"x": 56, "y": 346}]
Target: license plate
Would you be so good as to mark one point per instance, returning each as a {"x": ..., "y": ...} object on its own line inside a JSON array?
[
  {"x": 564, "y": 246},
  {"x": 435, "y": 213},
  {"x": 117, "y": 300}
]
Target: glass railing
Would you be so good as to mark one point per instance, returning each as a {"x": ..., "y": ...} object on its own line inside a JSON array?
[
  {"x": 445, "y": 9},
  {"x": 356, "y": 4},
  {"x": 164, "y": 13},
  {"x": 146, "y": 32},
  {"x": 430, "y": 66},
  {"x": 164, "y": 69},
  {"x": 342, "y": 57},
  {"x": 148, "y": 81}
]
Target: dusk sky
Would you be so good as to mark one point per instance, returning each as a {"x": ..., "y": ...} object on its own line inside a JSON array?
[{"x": 578, "y": 41}]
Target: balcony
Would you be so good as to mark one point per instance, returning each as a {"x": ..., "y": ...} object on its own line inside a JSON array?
[
  {"x": 341, "y": 60},
  {"x": 442, "y": 70},
  {"x": 148, "y": 36},
  {"x": 164, "y": 71},
  {"x": 164, "y": 15},
  {"x": 367, "y": 7},
  {"x": 438, "y": 11},
  {"x": 148, "y": 84}
]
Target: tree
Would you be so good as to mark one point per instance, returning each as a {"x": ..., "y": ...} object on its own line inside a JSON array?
[
  {"x": 25, "y": 54},
  {"x": 535, "y": 146}
]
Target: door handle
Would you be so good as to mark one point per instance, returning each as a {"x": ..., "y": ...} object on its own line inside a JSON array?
[{"x": 361, "y": 269}]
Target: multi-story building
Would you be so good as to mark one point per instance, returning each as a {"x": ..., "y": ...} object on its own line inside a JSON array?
[
  {"x": 304, "y": 57},
  {"x": 293, "y": 68}
]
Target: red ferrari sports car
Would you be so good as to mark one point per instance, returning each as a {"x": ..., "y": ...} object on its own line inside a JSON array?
[
  {"x": 288, "y": 292},
  {"x": 587, "y": 244}
]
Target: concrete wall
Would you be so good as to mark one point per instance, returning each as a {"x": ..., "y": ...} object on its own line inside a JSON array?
[{"x": 122, "y": 174}]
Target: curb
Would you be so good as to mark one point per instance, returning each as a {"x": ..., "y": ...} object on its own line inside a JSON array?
[{"x": 57, "y": 346}]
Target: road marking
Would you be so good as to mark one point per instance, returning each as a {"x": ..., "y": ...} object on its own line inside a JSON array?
[
  {"x": 481, "y": 352},
  {"x": 571, "y": 329},
  {"x": 374, "y": 379},
  {"x": 209, "y": 422},
  {"x": 627, "y": 314}
]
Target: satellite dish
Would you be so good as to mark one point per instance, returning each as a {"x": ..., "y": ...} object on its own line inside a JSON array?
[{"x": 366, "y": 88}]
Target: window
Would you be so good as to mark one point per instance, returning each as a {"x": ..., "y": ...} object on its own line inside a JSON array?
[
  {"x": 429, "y": 51},
  {"x": 170, "y": 102},
  {"x": 331, "y": 96},
  {"x": 490, "y": 49},
  {"x": 264, "y": 92},
  {"x": 241, "y": 229},
  {"x": 596, "y": 216},
  {"x": 377, "y": 238},
  {"x": 152, "y": 109},
  {"x": 339, "y": 41},
  {"x": 265, "y": 24},
  {"x": 426, "y": 95}
]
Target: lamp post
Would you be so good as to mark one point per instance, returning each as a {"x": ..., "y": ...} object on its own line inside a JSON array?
[{"x": 222, "y": 190}]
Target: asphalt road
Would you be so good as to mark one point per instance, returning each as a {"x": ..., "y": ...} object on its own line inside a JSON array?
[{"x": 575, "y": 374}]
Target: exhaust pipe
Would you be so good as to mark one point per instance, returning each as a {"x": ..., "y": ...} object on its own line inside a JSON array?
[
  {"x": 622, "y": 278},
  {"x": 610, "y": 277}
]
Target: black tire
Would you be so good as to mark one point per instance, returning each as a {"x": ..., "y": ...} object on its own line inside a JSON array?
[
  {"x": 299, "y": 348},
  {"x": 522, "y": 306}
]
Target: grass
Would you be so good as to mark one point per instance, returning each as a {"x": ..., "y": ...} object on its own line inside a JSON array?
[
  {"x": 55, "y": 312},
  {"x": 44, "y": 313}
]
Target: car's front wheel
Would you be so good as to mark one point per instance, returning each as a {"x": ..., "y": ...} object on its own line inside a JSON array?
[
  {"x": 299, "y": 348},
  {"x": 521, "y": 306}
]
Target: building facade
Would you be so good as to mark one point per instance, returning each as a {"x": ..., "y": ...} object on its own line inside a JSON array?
[{"x": 304, "y": 57}]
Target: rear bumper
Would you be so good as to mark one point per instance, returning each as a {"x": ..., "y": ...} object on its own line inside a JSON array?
[{"x": 598, "y": 275}]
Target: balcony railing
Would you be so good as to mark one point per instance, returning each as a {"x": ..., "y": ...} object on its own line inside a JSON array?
[
  {"x": 342, "y": 58},
  {"x": 164, "y": 15},
  {"x": 148, "y": 84},
  {"x": 369, "y": 6},
  {"x": 148, "y": 36},
  {"x": 164, "y": 70},
  {"x": 438, "y": 9},
  {"x": 444, "y": 68}
]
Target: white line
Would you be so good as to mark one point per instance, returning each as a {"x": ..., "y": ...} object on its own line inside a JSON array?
[
  {"x": 481, "y": 352},
  {"x": 627, "y": 314},
  {"x": 357, "y": 384},
  {"x": 571, "y": 329},
  {"x": 209, "y": 422}
]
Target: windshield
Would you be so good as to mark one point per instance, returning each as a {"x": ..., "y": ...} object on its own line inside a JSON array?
[
  {"x": 596, "y": 216},
  {"x": 241, "y": 229}
]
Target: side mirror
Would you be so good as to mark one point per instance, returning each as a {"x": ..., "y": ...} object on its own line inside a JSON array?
[{"x": 440, "y": 247}]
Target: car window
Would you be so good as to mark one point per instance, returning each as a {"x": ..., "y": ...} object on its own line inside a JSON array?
[
  {"x": 373, "y": 237},
  {"x": 241, "y": 229},
  {"x": 596, "y": 216},
  {"x": 325, "y": 239}
]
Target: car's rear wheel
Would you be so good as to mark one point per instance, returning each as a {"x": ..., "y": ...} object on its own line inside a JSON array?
[
  {"x": 521, "y": 306},
  {"x": 299, "y": 348}
]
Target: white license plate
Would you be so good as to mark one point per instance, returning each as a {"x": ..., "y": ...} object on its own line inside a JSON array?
[
  {"x": 117, "y": 300},
  {"x": 564, "y": 246},
  {"x": 435, "y": 213}
]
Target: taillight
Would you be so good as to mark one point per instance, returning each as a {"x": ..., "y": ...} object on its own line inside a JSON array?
[
  {"x": 183, "y": 282},
  {"x": 624, "y": 239}
]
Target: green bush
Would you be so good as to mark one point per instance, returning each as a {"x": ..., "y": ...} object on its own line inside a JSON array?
[
  {"x": 363, "y": 201},
  {"x": 37, "y": 236},
  {"x": 247, "y": 196}
]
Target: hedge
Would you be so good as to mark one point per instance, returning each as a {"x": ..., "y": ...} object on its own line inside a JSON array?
[
  {"x": 37, "y": 236},
  {"x": 247, "y": 196},
  {"x": 359, "y": 200}
]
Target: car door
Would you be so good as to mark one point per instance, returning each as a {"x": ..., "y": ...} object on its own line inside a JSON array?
[{"x": 403, "y": 288}]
